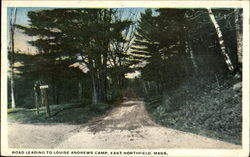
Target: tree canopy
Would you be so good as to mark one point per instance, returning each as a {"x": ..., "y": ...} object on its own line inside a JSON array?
[{"x": 98, "y": 47}]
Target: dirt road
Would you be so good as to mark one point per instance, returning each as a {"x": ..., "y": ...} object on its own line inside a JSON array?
[{"x": 127, "y": 126}]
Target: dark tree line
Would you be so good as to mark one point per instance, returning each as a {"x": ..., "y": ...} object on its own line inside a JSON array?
[
  {"x": 84, "y": 54},
  {"x": 178, "y": 43}
]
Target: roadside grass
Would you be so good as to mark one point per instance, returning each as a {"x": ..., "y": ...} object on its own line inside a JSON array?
[
  {"x": 63, "y": 113},
  {"x": 211, "y": 109}
]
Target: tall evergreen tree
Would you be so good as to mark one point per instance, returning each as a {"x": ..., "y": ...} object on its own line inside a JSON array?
[
  {"x": 161, "y": 43},
  {"x": 66, "y": 35}
]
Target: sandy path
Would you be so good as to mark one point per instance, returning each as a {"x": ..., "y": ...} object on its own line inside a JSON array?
[
  {"x": 37, "y": 135},
  {"x": 127, "y": 126}
]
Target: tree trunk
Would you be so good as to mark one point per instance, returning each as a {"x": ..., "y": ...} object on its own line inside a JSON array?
[
  {"x": 55, "y": 93},
  {"x": 36, "y": 88},
  {"x": 94, "y": 79},
  {"x": 104, "y": 75},
  {"x": 238, "y": 35},
  {"x": 42, "y": 99},
  {"x": 145, "y": 88},
  {"x": 192, "y": 58},
  {"x": 190, "y": 51},
  {"x": 94, "y": 92},
  {"x": 46, "y": 102},
  {"x": 221, "y": 41},
  {"x": 182, "y": 49},
  {"x": 13, "y": 103},
  {"x": 12, "y": 32},
  {"x": 79, "y": 90}
]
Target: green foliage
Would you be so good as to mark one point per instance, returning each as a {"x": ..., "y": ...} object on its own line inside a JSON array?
[
  {"x": 160, "y": 43},
  {"x": 174, "y": 44},
  {"x": 63, "y": 113},
  {"x": 160, "y": 49},
  {"x": 62, "y": 80},
  {"x": 206, "y": 107},
  {"x": 64, "y": 36}
]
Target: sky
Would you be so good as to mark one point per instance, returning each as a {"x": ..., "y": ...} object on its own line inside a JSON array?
[
  {"x": 22, "y": 17},
  {"x": 21, "y": 40}
]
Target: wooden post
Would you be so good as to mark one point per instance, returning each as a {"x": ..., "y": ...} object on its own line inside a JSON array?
[
  {"x": 45, "y": 99},
  {"x": 36, "y": 88},
  {"x": 46, "y": 102},
  {"x": 42, "y": 98},
  {"x": 80, "y": 91}
]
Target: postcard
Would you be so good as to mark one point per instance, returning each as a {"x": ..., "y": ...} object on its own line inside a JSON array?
[{"x": 125, "y": 78}]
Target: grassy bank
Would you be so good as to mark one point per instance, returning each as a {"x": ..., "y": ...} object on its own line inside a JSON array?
[
  {"x": 207, "y": 107},
  {"x": 63, "y": 113}
]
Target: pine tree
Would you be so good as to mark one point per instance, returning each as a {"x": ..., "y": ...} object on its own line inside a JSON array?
[
  {"x": 160, "y": 44},
  {"x": 65, "y": 35}
]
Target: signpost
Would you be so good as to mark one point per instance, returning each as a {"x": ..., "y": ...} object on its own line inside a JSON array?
[
  {"x": 45, "y": 98},
  {"x": 44, "y": 86}
]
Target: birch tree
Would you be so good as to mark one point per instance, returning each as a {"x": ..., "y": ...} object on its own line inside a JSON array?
[
  {"x": 238, "y": 34},
  {"x": 12, "y": 51},
  {"x": 221, "y": 40}
]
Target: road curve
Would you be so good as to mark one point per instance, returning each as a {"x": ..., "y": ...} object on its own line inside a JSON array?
[{"x": 127, "y": 126}]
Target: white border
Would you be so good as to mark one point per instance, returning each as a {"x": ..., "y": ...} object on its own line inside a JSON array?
[
  {"x": 127, "y": 4},
  {"x": 137, "y": 4},
  {"x": 4, "y": 67}
]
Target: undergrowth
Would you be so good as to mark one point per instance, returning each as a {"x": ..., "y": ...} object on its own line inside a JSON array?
[
  {"x": 211, "y": 108},
  {"x": 63, "y": 113}
]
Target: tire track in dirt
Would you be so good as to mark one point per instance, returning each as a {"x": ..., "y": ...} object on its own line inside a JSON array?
[{"x": 129, "y": 126}]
